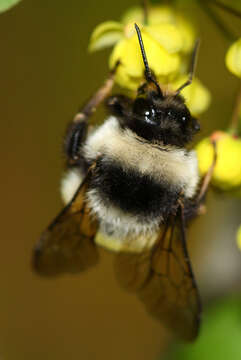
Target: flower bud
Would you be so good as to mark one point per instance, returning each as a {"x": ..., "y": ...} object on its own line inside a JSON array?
[
  {"x": 227, "y": 171},
  {"x": 196, "y": 95},
  {"x": 233, "y": 58}
]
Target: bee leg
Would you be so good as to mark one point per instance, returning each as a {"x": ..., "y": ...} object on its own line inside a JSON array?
[
  {"x": 77, "y": 130},
  {"x": 75, "y": 137},
  {"x": 195, "y": 207},
  {"x": 207, "y": 178}
]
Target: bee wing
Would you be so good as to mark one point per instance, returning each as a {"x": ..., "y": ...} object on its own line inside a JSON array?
[
  {"x": 67, "y": 245},
  {"x": 164, "y": 281}
]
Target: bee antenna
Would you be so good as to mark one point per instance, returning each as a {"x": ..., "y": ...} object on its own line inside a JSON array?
[
  {"x": 148, "y": 74},
  {"x": 192, "y": 67}
]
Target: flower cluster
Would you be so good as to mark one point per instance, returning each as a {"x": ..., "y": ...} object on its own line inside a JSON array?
[
  {"x": 227, "y": 171},
  {"x": 169, "y": 40}
]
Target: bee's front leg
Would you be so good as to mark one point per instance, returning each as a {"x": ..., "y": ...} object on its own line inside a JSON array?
[
  {"x": 77, "y": 129},
  {"x": 74, "y": 139}
]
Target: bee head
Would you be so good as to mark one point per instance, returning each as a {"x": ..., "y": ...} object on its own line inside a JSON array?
[
  {"x": 153, "y": 115},
  {"x": 166, "y": 119}
]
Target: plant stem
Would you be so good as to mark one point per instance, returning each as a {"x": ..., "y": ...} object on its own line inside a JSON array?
[
  {"x": 207, "y": 179},
  {"x": 205, "y": 5},
  {"x": 145, "y": 11},
  {"x": 227, "y": 8}
]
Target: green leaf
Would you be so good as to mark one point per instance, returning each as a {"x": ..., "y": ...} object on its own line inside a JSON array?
[
  {"x": 7, "y": 4},
  {"x": 220, "y": 334},
  {"x": 106, "y": 34}
]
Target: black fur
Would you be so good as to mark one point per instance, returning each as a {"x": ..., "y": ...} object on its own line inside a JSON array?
[
  {"x": 119, "y": 106},
  {"x": 133, "y": 192},
  {"x": 154, "y": 118}
]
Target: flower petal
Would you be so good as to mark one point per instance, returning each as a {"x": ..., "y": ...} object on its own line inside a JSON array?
[
  {"x": 129, "y": 53},
  {"x": 133, "y": 15},
  {"x": 163, "y": 15},
  {"x": 227, "y": 172},
  {"x": 167, "y": 36},
  {"x": 197, "y": 96},
  {"x": 187, "y": 32},
  {"x": 126, "y": 80},
  {"x": 106, "y": 34},
  {"x": 156, "y": 15}
]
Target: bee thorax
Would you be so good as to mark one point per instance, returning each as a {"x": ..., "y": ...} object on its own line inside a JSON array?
[{"x": 175, "y": 168}]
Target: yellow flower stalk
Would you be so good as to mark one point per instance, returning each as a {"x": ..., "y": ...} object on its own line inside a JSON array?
[
  {"x": 227, "y": 171},
  {"x": 233, "y": 58}
]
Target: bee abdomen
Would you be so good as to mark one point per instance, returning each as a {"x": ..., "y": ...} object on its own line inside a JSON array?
[{"x": 131, "y": 191}]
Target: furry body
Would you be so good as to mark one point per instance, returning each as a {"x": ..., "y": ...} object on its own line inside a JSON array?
[
  {"x": 136, "y": 183},
  {"x": 131, "y": 186}
]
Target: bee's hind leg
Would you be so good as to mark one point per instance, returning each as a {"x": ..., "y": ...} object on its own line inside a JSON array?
[
  {"x": 196, "y": 206},
  {"x": 207, "y": 178}
]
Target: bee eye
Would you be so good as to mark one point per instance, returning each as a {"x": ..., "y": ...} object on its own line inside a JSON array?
[
  {"x": 143, "y": 110},
  {"x": 150, "y": 113},
  {"x": 184, "y": 119}
]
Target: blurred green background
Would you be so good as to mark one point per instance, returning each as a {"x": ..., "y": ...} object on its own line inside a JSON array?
[{"x": 46, "y": 74}]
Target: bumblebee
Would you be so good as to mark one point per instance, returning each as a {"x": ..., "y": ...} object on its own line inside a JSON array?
[{"x": 132, "y": 186}]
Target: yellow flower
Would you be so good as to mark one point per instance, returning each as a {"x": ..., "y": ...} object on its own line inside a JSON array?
[
  {"x": 130, "y": 72},
  {"x": 233, "y": 58},
  {"x": 106, "y": 34},
  {"x": 197, "y": 96},
  {"x": 227, "y": 172},
  {"x": 156, "y": 15},
  {"x": 239, "y": 237},
  {"x": 168, "y": 39},
  {"x": 163, "y": 15}
]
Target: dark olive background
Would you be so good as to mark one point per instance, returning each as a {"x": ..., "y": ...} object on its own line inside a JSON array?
[{"x": 46, "y": 73}]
